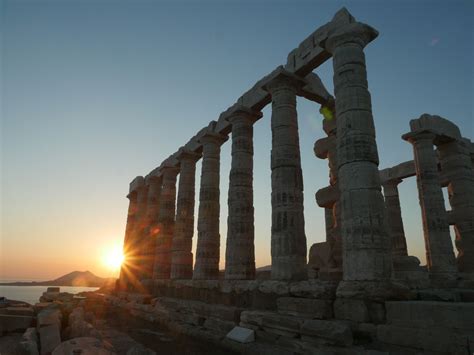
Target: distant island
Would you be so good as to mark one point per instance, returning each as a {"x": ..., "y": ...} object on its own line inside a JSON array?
[{"x": 75, "y": 278}]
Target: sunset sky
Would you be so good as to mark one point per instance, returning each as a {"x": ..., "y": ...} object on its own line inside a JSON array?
[{"x": 94, "y": 93}]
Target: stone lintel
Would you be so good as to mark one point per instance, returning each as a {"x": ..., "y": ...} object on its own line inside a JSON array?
[
  {"x": 213, "y": 136},
  {"x": 440, "y": 126},
  {"x": 315, "y": 90},
  {"x": 136, "y": 183},
  {"x": 310, "y": 53},
  {"x": 327, "y": 196},
  {"x": 400, "y": 171},
  {"x": 184, "y": 153},
  {"x": 239, "y": 111},
  {"x": 280, "y": 74}
]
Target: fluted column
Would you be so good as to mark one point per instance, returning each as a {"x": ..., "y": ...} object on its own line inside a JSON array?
[
  {"x": 162, "y": 265},
  {"x": 240, "y": 249},
  {"x": 136, "y": 254},
  {"x": 182, "y": 257},
  {"x": 439, "y": 250},
  {"x": 456, "y": 165},
  {"x": 394, "y": 217},
  {"x": 124, "y": 277},
  {"x": 365, "y": 239},
  {"x": 288, "y": 236},
  {"x": 207, "y": 251},
  {"x": 151, "y": 225}
]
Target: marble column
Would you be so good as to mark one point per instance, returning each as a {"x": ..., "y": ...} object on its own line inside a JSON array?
[
  {"x": 206, "y": 266},
  {"x": 136, "y": 253},
  {"x": 439, "y": 249},
  {"x": 182, "y": 257},
  {"x": 130, "y": 227},
  {"x": 394, "y": 218},
  {"x": 455, "y": 162},
  {"x": 240, "y": 249},
  {"x": 365, "y": 238},
  {"x": 162, "y": 265},
  {"x": 288, "y": 238},
  {"x": 151, "y": 225}
]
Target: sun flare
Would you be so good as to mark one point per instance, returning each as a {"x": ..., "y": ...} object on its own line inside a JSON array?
[{"x": 113, "y": 258}]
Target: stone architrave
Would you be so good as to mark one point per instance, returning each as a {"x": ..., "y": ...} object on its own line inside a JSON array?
[
  {"x": 439, "y": 249},
  {"x": 394, "y": 217},
  {"x": 182, "y": 257},
  {"x": 455, "y": 162},
  {"x": 206, "y": 266},
  {"x": 365, "y": 238},
  {"x": 151, "y": 225},
  {"x": 288, "y": 238},
  {"x": 240, "y": 249},
  {"x": 162, "y": 265}
]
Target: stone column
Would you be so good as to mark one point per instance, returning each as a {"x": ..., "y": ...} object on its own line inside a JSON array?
[
  {"x": 131, "y": 222},
  {"x": 365, "y": 239},
  {"x": 394, "y": 217},
  {"x": 455, "y": 162},
  {"x": 207, "y": 252},
  {"x": 439, "y": 249},
  {"x": 136, "y": 254},
  {"x": 288, "y": 236},
  {"x": 162, "y": 266},
  {"x": 240, "y": 249},
  {"x": 151, "y": 225},
  {"x": 182, "y": 257}
]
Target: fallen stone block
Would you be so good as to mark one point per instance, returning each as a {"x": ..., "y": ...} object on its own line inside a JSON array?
[
  {"x": 10, "y": 323},
  {"x": 20, "y": 311},
  {"x": 337, "y": 332},
  {"x": 305, "y": 307},
  {"x": 29, "y": 347},
  {"x": 50, "y": 338},
  {"x": 53, "y": 289},
  {"x": 241, "y": 335},
  {"x": 281, "y": 322},
  {"x": 253, "y": 317}
]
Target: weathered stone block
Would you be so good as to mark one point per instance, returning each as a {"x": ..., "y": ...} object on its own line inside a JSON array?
[
  {"x": 351, "y": 309},
  {"x": 20, "y": 311},
  {"x": 431, "y": 314},
  {"x": 336, "y": 332},
  {"x": 277, "y": 321},
  {"x": 49, "y": 316},
  {"x": 429, "y": 339},
  {"x": 10, "y": 323},
  {"x": 305, "y": 307},
  {"x": 50, "y": 338},
  {"x": 217, "y": 324},
  {"x": 253, "y": 317},
  {"x": 241, "y": 335}
]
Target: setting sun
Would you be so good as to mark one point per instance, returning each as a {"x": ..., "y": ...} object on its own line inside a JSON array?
[{"x": 113, "y": 258}]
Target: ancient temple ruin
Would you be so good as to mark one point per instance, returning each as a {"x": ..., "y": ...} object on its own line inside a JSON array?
[{"x": 360, "y": 289}]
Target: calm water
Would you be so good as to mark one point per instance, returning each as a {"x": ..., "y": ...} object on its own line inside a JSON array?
[{"x": 31, "y": 294}]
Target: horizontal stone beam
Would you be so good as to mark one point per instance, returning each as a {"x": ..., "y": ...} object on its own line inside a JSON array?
[{"x": 400, "y": 171}]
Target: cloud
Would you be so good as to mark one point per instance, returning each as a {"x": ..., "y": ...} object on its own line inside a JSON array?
[{"x": 434, "y": 42}]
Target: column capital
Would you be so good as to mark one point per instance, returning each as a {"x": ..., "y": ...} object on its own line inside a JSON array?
[
  {"x": 187, "y": 155},
  {"x": 213, "y": 137},
  {"x": 352, "y": 33},
  {"x": 390, "y": 187},
  {"x": 282, "y": 78},
  {"x": 243, "y": 113},
  {"x": 419, "y": 136},
  {"x": 169, "y": 171}
]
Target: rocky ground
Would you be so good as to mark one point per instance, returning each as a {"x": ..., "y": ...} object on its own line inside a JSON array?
[{"x": 63, "y": 324}]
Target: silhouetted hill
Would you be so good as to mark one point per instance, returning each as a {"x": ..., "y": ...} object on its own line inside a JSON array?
[{"x": 75, "y": 278}]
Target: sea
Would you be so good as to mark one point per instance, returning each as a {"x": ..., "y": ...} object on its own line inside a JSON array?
[{"x": 31, "y": 294}]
